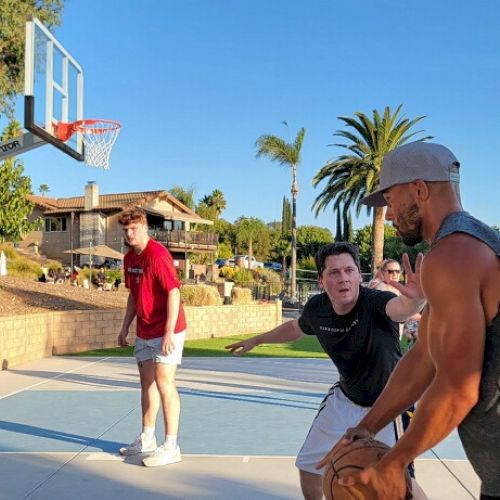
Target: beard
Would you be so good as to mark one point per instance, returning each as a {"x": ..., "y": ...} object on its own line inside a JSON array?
[{"x": 412, "y": 234}]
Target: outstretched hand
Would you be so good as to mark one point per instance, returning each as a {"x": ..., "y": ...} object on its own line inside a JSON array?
[
  {"x": 240, "y": 348},
  {"x": 411, "y": 287}
]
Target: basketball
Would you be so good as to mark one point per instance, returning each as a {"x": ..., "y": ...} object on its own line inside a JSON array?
[{"x": 348, "y": 459}]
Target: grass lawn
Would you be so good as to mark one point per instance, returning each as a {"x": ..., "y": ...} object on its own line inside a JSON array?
[{"x": 307, "y": 347}]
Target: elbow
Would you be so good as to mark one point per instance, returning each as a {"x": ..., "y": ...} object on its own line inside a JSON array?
[{"x": 465, "y": 399}]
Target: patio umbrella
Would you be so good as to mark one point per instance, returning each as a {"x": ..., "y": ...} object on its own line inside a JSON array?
[{"x": 98, "y": 251}]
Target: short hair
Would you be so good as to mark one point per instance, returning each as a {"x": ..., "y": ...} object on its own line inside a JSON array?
[
  {"x": 387, "y": 262},
  {"x": 132, "y": 216},
  {"x": 336, "y": 249}
]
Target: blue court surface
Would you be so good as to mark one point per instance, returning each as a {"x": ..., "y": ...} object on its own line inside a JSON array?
[{"x": 243, "y": 421}]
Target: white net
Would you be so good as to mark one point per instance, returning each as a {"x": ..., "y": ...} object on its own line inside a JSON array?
[{"x": 98, "y": 138}]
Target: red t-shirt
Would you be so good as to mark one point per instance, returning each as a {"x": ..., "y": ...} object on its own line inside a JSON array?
[{"x": 149, "y": 276}]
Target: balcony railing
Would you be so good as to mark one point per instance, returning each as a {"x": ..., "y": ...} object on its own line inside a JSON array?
[{"x": 185, "y": 238}]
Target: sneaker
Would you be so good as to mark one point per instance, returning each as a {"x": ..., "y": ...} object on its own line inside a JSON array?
[
  {"x": 140, "y": 445},
  {"x": 163, "y": 455}
]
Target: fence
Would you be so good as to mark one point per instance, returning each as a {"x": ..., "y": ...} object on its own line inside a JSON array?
[{"x": 282, "y": 290}]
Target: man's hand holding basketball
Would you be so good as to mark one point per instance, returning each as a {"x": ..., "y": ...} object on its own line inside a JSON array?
[
  {"x": 384, "y": 480},
  {"x": 350, "y": 435},
  {"x": 240, "y": 348}
]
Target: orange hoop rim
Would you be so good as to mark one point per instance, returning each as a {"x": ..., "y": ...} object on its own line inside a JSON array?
[{"x": 63, "y": 131}]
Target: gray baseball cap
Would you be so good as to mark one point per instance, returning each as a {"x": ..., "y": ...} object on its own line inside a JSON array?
[{"x": 416, "y": 160}]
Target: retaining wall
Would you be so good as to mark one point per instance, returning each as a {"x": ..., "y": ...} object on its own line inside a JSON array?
[{"x": 29, "y": 337}]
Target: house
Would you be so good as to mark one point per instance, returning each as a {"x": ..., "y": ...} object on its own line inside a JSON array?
[{"x": 80, "y": 221}]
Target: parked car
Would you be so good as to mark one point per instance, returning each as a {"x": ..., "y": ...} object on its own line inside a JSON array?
[
  {"x": 254, "y": 263},
  {"x": 275, "y": 266},
  {"x": 225, "y": 262}
]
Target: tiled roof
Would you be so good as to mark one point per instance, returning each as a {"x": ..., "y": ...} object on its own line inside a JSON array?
[
  {"x": 118, "y": 201},
  {"x": 43, "y": 201}
]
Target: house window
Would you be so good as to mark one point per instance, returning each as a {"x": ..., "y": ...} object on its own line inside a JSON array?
[
  {"x": 168, "y": 225},
  {"x": 178, "y": 225},
  {"x": 53, "y": 224}
]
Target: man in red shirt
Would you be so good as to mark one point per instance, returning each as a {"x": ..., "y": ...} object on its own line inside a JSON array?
[{"x": 154, "y": 300}]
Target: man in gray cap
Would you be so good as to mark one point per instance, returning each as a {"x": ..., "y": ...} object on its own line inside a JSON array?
[{"x": 454, "y": 367}]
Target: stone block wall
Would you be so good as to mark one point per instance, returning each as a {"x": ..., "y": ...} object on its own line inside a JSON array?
[{"x": 29, "y": 337}]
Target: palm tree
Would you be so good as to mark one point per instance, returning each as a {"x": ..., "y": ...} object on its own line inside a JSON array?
[
  {"x": 216, "y": 200},
  {"x": 43, "y": 188},
  {"x": 356, "y": 174},
  {"x": 287, "y": 154}
]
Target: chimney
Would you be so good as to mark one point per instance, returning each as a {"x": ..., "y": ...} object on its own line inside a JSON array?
[{"x": 91, "y": 195}]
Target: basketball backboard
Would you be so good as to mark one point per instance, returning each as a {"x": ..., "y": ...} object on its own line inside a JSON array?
[{"x": 53, "y": 88}]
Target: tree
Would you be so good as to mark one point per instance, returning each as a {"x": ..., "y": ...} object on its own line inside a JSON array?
[
  {"x": 356, "y": 174},
  {"x": 310, "y": 239},
  {"x": 286, "y": 217},
  {"x": 215, "y": 201},
  {"x": 394, "y": 248},
  {"x": 12, "y": 34},
  {"x": 287, "y": 154},
  {"x": 185, "y": 196},
  {"x": 14, "y": 189},
  {"x": 43, "y": 188},
  {"x": 252, "y": 234}
]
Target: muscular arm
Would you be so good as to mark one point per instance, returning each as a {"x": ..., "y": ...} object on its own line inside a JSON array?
[
  {"x": 451, "y": 280},
  {"x": 411, "y": 377}
]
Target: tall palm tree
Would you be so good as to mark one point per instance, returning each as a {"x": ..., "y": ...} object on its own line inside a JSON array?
[
  {"x": 356, "y": 174},
  {"x": 216, "y": 200},
  {"x": 43, "y": 188},
  {"x": 288, "y": 154}
]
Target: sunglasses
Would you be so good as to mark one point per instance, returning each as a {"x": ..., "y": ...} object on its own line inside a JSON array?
[{"x": 393, "y": 271}]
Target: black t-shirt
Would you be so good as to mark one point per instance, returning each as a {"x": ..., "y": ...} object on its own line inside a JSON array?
[{"x": 363, "y": 344}]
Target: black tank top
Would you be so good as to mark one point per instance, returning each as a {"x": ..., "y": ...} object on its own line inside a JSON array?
[{"x": 480, "y": 430}]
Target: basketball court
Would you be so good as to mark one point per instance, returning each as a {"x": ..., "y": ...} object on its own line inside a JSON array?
[{"x": 243, "y": 421}]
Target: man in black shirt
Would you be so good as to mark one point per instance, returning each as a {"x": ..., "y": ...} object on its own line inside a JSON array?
[{"x": 357, "y": 329}]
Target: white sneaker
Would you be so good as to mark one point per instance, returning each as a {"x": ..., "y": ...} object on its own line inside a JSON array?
[
  {"x": 140, "y": 445},
  {"x": 163, "y": 455}
]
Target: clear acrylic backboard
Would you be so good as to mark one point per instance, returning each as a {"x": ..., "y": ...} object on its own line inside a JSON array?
[{"x": 53, "y": 89}]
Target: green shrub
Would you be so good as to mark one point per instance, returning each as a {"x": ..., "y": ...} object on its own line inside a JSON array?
[
  {"x": 241, "y": 296},
  {"x": 200, "y": 295},
  {"x": 243, "y": 275},
  {"x": 53, "y": 265},
  {"x": 9, "y": 251},
  {"x": 268, "y": 276},
  {"x": 227, "y": 272},
  {"x": 113, "y": 274},
  {"x": 21, "y": 266}
]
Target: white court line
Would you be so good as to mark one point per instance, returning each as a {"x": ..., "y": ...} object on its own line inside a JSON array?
[{"x": 53, "y": 378}]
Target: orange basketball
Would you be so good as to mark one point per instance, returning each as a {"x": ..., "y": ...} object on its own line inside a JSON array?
[{"x": 348, "y": 459}]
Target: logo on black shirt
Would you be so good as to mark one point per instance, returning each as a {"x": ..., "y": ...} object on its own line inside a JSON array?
[{"x": 341, "y": 329}]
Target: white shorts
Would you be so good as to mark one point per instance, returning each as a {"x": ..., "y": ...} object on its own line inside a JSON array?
[
  {"x": 335, "y": 415},
  {"x": 145, "y": 350}
]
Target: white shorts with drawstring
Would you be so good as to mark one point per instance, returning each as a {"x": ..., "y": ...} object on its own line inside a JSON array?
[{"x": 335, "y": 415}]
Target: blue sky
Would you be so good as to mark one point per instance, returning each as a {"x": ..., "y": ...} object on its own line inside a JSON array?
[{"x": 195, "y": 82}]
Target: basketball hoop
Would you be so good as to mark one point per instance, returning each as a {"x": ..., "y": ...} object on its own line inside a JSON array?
[{"x": 98, "y": 138}]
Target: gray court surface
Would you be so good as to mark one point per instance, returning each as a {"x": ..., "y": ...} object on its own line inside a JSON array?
[{"x": 243, "y": 421}]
